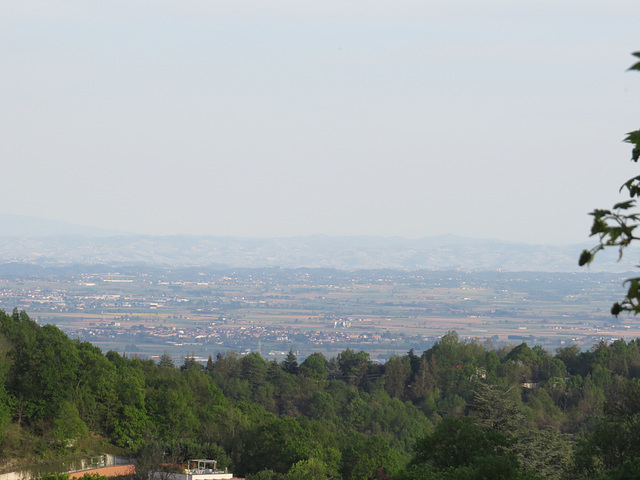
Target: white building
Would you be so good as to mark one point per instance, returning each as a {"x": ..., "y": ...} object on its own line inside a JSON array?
[{"x": 197, "y": 469}]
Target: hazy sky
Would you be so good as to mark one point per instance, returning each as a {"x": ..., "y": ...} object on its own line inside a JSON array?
[{"x": 490, "y": 119}]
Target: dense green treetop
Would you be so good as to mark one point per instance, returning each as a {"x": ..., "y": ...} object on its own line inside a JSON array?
[{"x": 524, "y": 410}]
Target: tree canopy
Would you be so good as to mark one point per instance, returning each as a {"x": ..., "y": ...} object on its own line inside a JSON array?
[{"x": 460, "y": 409}]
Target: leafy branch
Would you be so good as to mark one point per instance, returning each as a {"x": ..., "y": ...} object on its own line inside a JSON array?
[{"x": 617, "y": 227}]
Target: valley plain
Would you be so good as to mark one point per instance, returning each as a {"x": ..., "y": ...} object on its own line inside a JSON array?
[{"x": 198, "y": 311}]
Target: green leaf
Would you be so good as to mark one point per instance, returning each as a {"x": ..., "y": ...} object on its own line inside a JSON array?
[
  {"x": 633, "y": 137},
  {"x": 633, "y": 288},
  {"x": 624, "y": 205},
  {"x": 632, "y": 185},
  {"x": 585, "y": 258},
  {"x": 635, "y": 66},
  {"x": 616, "y": 309},
  {"x": 599, "y": 226},
  {"x": 600, "y": 213}
]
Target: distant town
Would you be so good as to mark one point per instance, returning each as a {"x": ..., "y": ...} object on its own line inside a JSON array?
[{"x": 198, "y": 312}]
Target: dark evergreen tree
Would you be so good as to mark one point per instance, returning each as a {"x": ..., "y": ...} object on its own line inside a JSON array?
[
  {"x": 290, "y": 364},
  {"x": 166, "y": 361},
  {"x": 190, "y": 362},
  {"x": 209, "y": 366}
]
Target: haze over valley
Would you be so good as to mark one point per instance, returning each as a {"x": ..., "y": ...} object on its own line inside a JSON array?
[
  {"x": 200, "y": 295},
  {"x": 42, "y": 242}
]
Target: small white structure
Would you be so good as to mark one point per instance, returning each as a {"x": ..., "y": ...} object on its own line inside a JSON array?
[{"x": 197, "y": 469}]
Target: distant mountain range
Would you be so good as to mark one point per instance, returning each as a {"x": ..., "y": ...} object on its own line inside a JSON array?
[{"x": 32, "y": 240}]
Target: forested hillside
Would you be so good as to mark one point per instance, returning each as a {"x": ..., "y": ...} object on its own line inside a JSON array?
[{"x": 460, "y": 410}]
